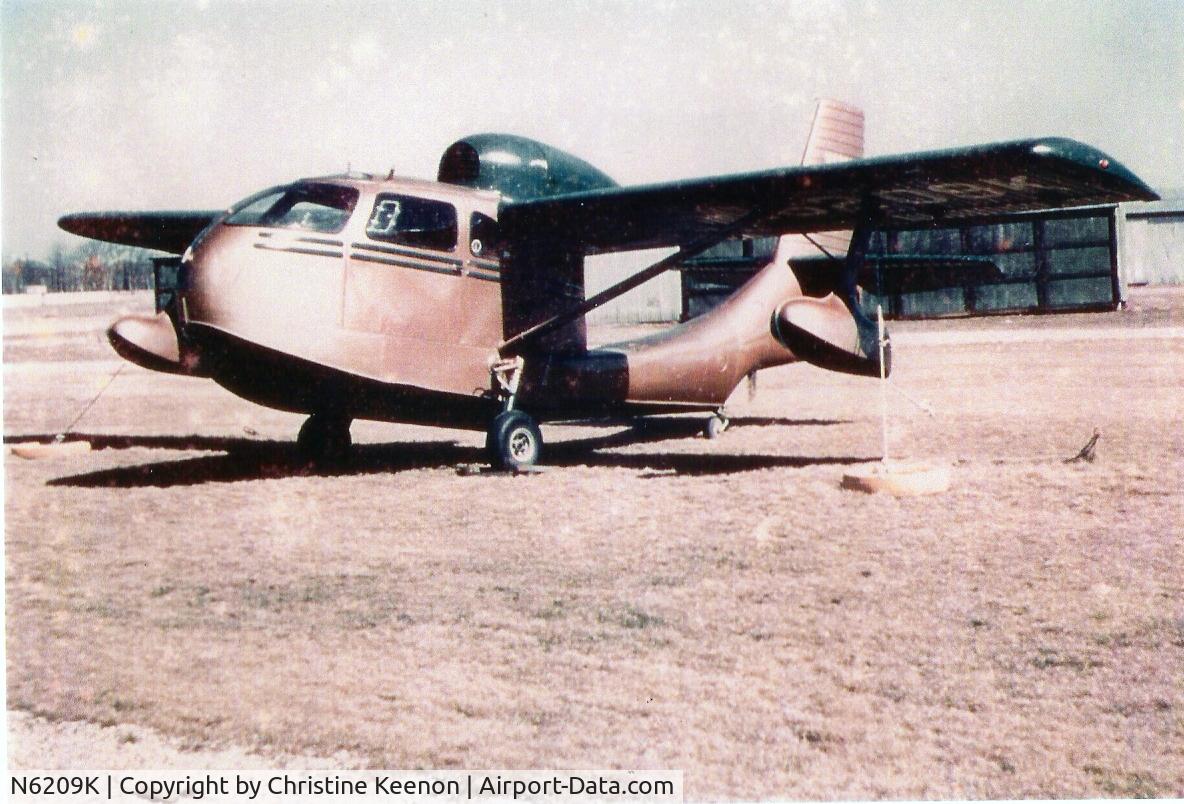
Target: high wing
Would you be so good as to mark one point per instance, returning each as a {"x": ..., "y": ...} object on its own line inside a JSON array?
[
  {"x": 163, "y": 231},
  {"x": 905, "y": 190}
]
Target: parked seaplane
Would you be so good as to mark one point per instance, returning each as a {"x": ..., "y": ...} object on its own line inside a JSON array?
[{"x": 461, "y": 302}]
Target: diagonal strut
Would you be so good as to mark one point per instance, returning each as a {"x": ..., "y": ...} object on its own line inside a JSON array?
[{"x": 692, "y": 249}]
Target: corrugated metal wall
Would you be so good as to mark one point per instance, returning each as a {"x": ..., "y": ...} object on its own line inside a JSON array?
[
  {"x": 1151, "y": 243},
  {"x": 659, "y": 300}
]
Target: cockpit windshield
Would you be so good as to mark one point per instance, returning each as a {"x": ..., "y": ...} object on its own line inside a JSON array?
[{"x": 321, "y": 208}]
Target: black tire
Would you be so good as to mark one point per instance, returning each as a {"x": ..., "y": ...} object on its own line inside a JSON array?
[
  {"x": 514, "y": 441},
  {"x": 324, "y": 439}
]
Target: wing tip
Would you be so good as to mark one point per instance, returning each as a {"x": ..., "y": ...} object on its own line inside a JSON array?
[
  {"x": 166, "y": 231},
  {"x": 68, "y": 223},
  {"x": 1096, "y": 162},
  {"x": 82, "y": 224}
]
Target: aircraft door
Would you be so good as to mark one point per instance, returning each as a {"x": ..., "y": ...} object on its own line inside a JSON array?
[{"x": 414, "y": 280}]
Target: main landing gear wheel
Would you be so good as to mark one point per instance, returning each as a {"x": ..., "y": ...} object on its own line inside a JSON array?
[
  {"x": 514, "y": 441},
  {"x": 715, "y": 426},
  {"x": 324, "y": 439}
]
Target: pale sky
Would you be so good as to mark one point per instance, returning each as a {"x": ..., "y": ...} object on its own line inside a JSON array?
[{"x": 175, "y": 105}]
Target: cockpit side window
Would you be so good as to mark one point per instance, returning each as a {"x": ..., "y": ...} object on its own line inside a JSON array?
[
  {"x": 323, "y": 208},
  {"x": 484, "y": 237},
  {"x": 412, "y": 221}
]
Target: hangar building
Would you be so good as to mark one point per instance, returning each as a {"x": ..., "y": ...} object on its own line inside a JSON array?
[
  {"x": 1151, "y": 241},
  {"x": 1052, "y": 261}
]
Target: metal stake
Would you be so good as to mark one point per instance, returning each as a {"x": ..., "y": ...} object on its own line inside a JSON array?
[{"x": 883, "y": 386}]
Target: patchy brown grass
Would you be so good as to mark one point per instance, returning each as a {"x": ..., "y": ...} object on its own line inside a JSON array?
[{"x": 652, "y": 600}]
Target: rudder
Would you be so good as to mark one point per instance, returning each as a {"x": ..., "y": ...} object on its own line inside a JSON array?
[{"x": 836, "y": 134}]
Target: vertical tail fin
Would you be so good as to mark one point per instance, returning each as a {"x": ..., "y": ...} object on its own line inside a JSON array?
[
  {"x": 828, "y": 332},
  {"x": 836, "y": 135}
]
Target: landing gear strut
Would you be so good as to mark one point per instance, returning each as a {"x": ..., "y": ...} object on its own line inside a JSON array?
[
  {"x": 513, "y": 441},
  {"x": 324, "y": 439}
]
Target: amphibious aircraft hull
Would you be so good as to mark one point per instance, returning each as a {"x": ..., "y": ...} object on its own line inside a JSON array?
[{"x": 596, "y": 381}]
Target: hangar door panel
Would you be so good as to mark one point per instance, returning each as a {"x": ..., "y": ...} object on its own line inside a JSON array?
[{"x": 1055, "y": 261}]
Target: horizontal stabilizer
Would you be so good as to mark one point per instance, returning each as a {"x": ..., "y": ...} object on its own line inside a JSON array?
[
  {"x": 918, "y": 273},
  {"x": 162, "y": 231},
  {"x": 895, "y": 273}
]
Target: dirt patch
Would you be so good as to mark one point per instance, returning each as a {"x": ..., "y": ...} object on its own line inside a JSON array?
[{"x": 653, "y": 599}]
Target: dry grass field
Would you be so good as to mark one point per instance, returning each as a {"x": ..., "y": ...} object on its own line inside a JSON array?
[{"x": 652, "y": 599}]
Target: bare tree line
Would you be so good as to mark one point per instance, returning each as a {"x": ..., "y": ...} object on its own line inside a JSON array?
[{"x": 90, "y": 266}]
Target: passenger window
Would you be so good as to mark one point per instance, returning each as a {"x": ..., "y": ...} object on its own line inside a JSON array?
[
  {"x": 484, "y": 237},
  {"x": 413, "y": 221}
]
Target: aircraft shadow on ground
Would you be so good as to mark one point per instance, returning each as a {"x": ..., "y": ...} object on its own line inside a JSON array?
[
  {"x": 251, "y": 459},
  {"x": 257, "y": 459}
]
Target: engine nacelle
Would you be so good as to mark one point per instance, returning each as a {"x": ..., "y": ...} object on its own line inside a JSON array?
[{"x": 519, "y": 168}]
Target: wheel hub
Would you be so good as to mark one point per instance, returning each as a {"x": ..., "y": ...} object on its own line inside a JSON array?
[{"x": 521, "y": 445}]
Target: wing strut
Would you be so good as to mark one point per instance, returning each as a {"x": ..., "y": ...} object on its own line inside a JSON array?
[{"x": 692, "y": 249}]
